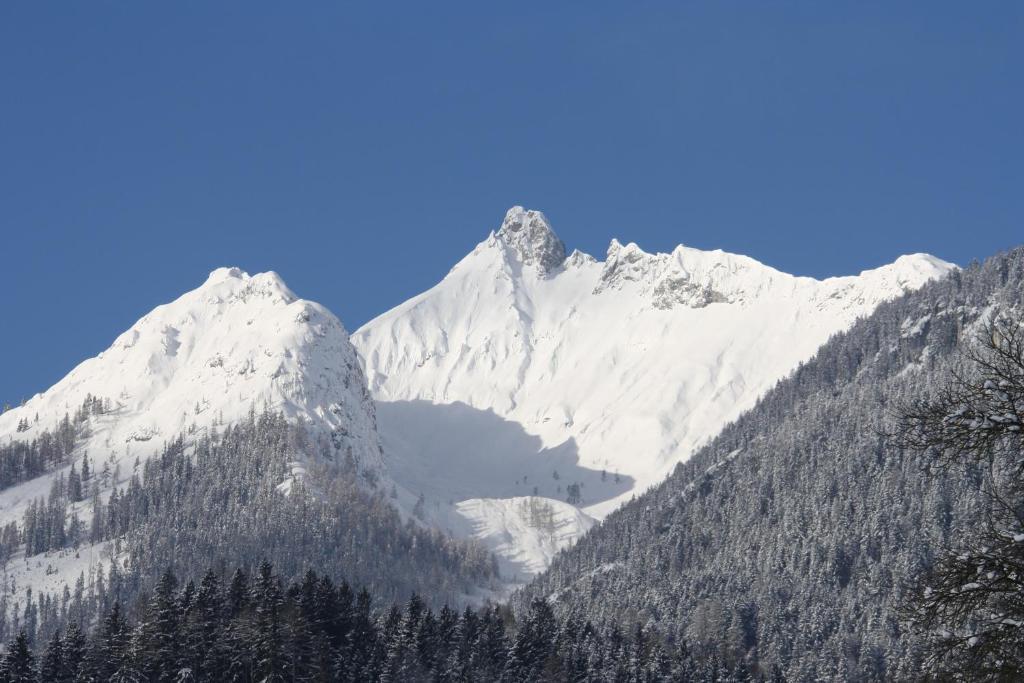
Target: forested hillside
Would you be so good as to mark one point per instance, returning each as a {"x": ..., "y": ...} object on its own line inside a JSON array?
[
  {"x": 230, "y": 497},
  {"x": 787, "y": 544},
  {"x": 230, "y": 625}
]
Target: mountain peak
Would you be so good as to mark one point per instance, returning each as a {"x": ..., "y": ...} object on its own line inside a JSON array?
[
  {"x": 226, "y": 273},
  {"x": 227, "y": 284},
  {"x": 529, "y": 234},
  {"x": 921, "y": 265},
  {"x": 237, "y": 342}
]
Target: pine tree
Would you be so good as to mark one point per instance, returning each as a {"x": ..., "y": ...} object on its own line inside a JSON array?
[
  {"x": 357, "y": 654},
  {"x": 330, "y": 615},
  {"x": 403, "y": 661},
  {"x": 427, "y": 643},
  {"x": 74, "y": 485},
  {"x": 74, "y": 651},
  {"x": 491, "y": 651},
  {"x": 111, "y": 643},
  {"x": 334, "y": 611},
  {"x": 19, "y": 662},
  {"x": 201, "y": 629},
  {"x": 533, "y": 656},
  {"x": 385, "y": 646},
  {"x": 161, "y": 634},
  {"x": 447, "y": 640},
  {"x": 268, "y": 646},
  {"x": 52, "y": 667},
  {"x": 238, "y": 594},
  {"x": 301, "y": 627}
]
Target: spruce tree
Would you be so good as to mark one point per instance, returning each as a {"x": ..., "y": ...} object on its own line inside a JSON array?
[
  {"x": 238, "y": 593},
  {"x": 111, "y": 644},
  {"x": 268, "y": 645},
  {"x": 358, "y": 651},
  {"x": 161, "y": 634},
  {"x": 52, "y": 667},
  {"x": 19, "y": 662},
  {"x": 75, "y": 648},
  {"x": 202, "y": 625}
]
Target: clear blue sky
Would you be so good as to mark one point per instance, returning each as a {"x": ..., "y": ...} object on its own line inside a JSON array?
[{"x": 361, "y": 149}]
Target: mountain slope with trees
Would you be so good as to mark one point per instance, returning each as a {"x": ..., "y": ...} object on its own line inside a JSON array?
[
  {"x": 789, "y": 543},
  {"x": 224, "y": 497}
]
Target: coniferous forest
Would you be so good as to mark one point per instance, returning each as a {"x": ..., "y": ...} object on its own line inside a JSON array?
[
  {"x": 808, "y": 540},
  {"x": 230, "y": 626},
  {"x": 218, "y": 496}
]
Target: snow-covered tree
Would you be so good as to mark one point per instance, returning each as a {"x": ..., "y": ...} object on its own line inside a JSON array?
[{"x": 970, "y": 603}]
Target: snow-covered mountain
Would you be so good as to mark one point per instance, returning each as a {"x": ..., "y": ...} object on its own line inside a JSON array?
[
  {"x": 236, "y": 344},
  {"x": 526, "y": 370},
  {"x": 517, "y": 402}
]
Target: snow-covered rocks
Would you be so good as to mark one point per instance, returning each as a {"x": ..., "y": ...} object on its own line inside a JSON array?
[
  {"x": 529, "y": 235},
  {"x": 663, "y": 278}
]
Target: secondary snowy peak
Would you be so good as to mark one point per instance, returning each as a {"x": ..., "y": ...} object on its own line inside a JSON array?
[
  {"x": 906, "y": 273},
  {"x": 669, "y": 279},
  {"x": 529, "y": 236},
  {"x": 237, "y": 343}
]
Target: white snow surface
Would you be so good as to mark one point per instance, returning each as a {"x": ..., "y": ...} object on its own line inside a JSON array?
[
  {"x": 523, "y": 360},
  {"x": 479, "y": 474},
  {"x": 523, "y": 548}
]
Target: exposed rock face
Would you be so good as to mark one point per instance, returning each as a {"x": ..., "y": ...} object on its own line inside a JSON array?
[{"x": 530, "y": 236}]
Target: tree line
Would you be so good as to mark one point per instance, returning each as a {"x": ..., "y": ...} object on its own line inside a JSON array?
[{"x": 234, "y": 627}]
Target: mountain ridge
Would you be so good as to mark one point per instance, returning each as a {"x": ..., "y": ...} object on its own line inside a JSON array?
[
  {"x": 630, "y": 363},
  {"x": 528, "y": 386}
]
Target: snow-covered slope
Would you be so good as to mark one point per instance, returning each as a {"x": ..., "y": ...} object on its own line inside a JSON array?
[
  {"x": 523, "y": 532},
  {"x": 611, "y": 372},
  {"x": 235, "y": 344}
]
